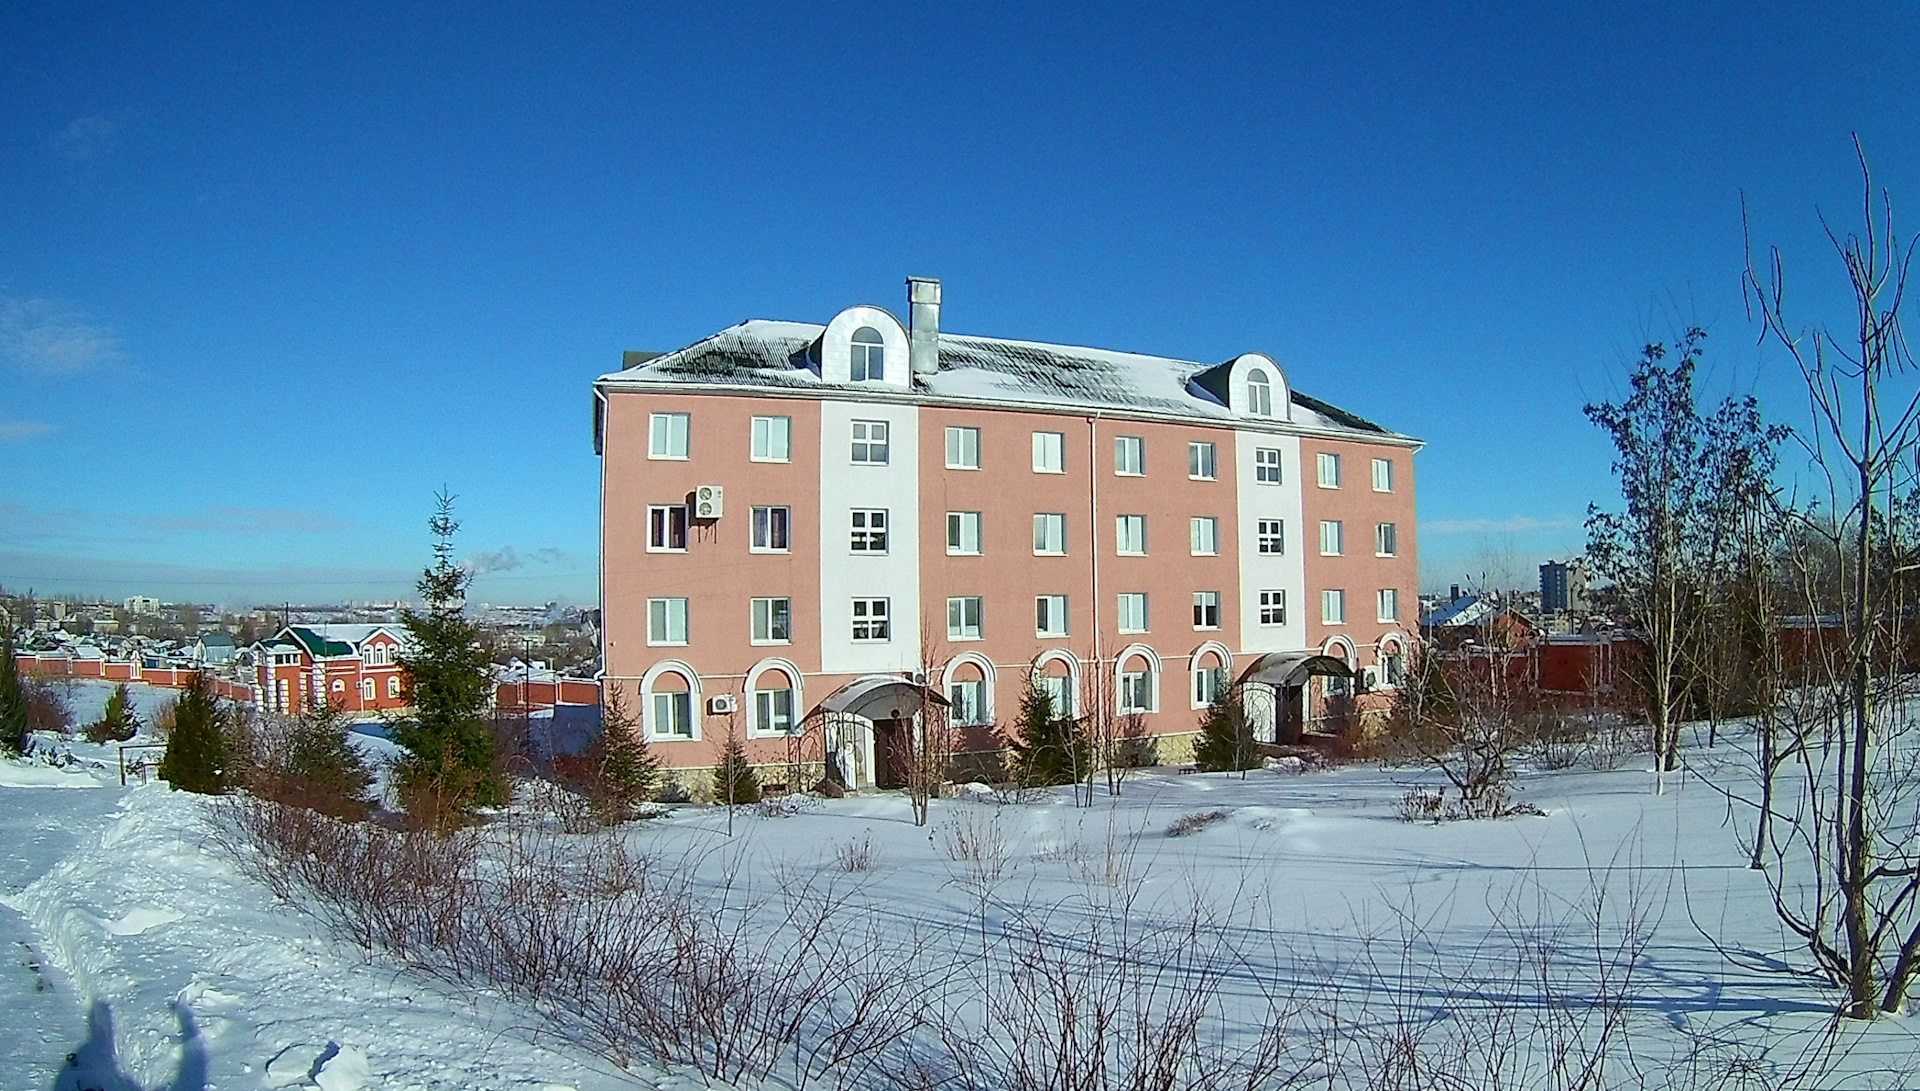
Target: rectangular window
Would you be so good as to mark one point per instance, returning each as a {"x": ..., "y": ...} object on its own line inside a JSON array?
[
  {"x": 1129, "y": 456},
  {"x": 1049, "y": 452},
  {"x": 869, "y": 530},
  {"x": 963, "y": 448},
  {"x": 963, "y": 618},
  {"x": 1266, "y": 465},
  {"x": 870, "y": 442},
  {"x": 1273, "y": 607},
  {"x": 773, "y": 621},
  {"x": 1050, "y": 615},
  {"x": 969, "y": 697},
  {"x": 1332, "y": 535},
  {"x": 667, "y": 435},
  {"x": 1394, "y": 667},
  {"x": 1206, "y": 609},
  {"x": 773, "y": 711},
  {"x": 1133, "y": 612},
  {"x": 1059, "y": 691},
  {"x": 1389, "y": 605},
  {"x": 770, "y": 530},
  {"x": 667, "y": 528},
  {"x": 666, "y": 621},
  {"x": 963, "y": 532},
  {"x": 672, "y": 715},
  {"x": 1382, "y": 475},
  {"x": 772, "y": 439},
  {"x": 1271, "y": 535},
  {"x": 1136, "y": 692},
  {"x": 1200, "y": 461},
  {"x": 1203, "y": 532},
  {"x": 1329, "y": 468},
  {"x": 870, "y": 621},
  {"x": 393, "y": 686},
  {"x": 1386, "y": 541},
  {"x": 1209, "y": 683},
  {"x": 1130, "y": 533},
  {"x": 1333, "y": 607},
  {"x": 1049, "y": 534}
]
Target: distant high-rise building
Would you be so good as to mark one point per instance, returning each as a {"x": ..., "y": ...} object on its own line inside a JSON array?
[{"x": 1563, "y": 586}]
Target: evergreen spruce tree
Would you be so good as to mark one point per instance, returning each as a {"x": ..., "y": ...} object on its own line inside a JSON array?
[
  {"x": 13, "y": 702},
  {"x": 318, "y": 766},
  {"x": 1226, "y": 742},
  {"x": 1046, "y": 749},
  {"x": 196, "y": 756},
  {"x": 627, "y": 770},
  {"x": 118, "y": 723},
  {"x": 734, "y": 781},
  {"x": 449, "y": 767}
]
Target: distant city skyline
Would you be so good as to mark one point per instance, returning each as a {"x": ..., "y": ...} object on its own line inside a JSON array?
[{"x": 275, "y": 276}]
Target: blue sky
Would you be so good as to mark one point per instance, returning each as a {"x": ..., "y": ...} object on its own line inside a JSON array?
[{"x": 269, "y": 278}]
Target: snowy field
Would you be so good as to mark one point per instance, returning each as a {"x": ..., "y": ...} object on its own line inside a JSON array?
[{"x": 139, "y": 948}]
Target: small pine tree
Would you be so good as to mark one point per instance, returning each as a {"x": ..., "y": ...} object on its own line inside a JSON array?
[
  {"x": 1226, "y": 742},
  {"x": 196, "y": 758},
  {"x": 1046, "y": 749},
  {"x": 118, "y": 723},
  {"x": 627, "y": 772},
  {"x": 450, "y": 764},
  {"x": 734, "y": 781},
  {"x": 318, "y": 766},
  {"x": 13, "y": 702}
]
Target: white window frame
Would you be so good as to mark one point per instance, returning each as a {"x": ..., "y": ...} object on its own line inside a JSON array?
[
  {"x": 963, "y": 534},
  {"x": 366, "y": 689},
  {"x": 1266, "y": 466},
  {"x": 1333, "y": 538},
  {"x": 668, "y": 436},
  {"x": 661, "y": 616},
  {"x": 655, "y": 715},
  {"x": 1207, "y": 684},
  {"x": 1259, "y": 393},
  {"x": 1203, "y": 536},
  {"x": 864, "y": 538},
  {"x": 1060, "y": 692},
  {"x": 963, "y": 447},
  {"x": 871, "y": 443},
  {"x": 876, "y": 617},
  {"x": 770, "y": 439},
  {"x": 1273, "y": 606},
  {"x": 1206, "y": 610},
  {"x": 393, "y": 687},
  {"x": 966, "y": 618},
  {"x": 1133, "y": 615},
  {"x": 1387, "y": 604},
  {"x": 1139, "y": 691},
  {"x": 761, "y": 702},
  {"x": 660, "y": 528},
  {"x": 1129, "y": 456},
  {"x": 1049, "y": 534},
  {"x": 762, "y": 614},
  {"x": 1333, "y": 607},
  {"x": 1203, "y": 461},
  {"x": 958, "y": 692},
  {"x": 1130, "y": 535},
  {"x": 866, "y": 359},
  {"x": 1382, "y": 475},
  {"x": 1393, "y": 667},
  {"x": 1050, "y": 616},
  {"x": 1270, "y": 537},
  {"x": 1327, "y": 469},
  {"x": 761, "y": 529},
  {"x": 1386, "y": 540},
  {"x": 1049, "y": 452}
]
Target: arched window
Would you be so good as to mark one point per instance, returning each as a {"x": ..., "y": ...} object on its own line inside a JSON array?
[
  {"x": 869, "y": 355},
  {"x": 1209, "y": 679},
  {"x": 670, "y": 706},
  {"x": 1139, "y": 684},
  {"x": 773, "y": 703},
  {"x": 1259, "y": 394}
]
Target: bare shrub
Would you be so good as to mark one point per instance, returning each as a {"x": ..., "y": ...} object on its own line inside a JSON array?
[
  {"x": 978, "y": 842},
  {"x": 1189, "y": 824},
  {"x": 49, "y": 702},
  {"x": 856, "y": 856},
  {"x": 1421, "y": 804}
]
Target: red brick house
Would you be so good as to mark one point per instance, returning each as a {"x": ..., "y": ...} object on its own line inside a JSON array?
[{"x": 355, "y": 668}]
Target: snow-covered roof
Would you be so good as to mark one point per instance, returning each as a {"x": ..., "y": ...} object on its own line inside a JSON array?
[{"x": 785, "y": 356}]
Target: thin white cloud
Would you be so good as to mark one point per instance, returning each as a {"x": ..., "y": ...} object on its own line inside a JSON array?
[
  {"x": 48, "y": 337},
  {"x": 19, "y": 431},
  {"x": 87, "y": 138},
  {"x": 1518, "y": 524},
  {"x": 228, "y": 520}
]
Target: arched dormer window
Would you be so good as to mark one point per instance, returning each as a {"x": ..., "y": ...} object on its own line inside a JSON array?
[
  {"x": 869, "y": 356},
  {"x": 1259, "y": 394}
]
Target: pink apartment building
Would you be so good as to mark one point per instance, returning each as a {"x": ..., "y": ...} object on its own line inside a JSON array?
[{"x": 820, "y": 525}]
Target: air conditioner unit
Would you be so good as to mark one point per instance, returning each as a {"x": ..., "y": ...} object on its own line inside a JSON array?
[
  {"x": 708, "y": 501},
  {"x": 919, "y": 677},
  {"x": 722, "y": 703}
]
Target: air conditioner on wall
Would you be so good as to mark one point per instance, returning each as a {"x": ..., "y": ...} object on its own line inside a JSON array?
[
  {"x": 722, "y": 703},
  {"x": 708, "y": 501}
]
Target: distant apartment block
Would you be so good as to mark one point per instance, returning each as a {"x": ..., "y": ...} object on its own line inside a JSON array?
[
  {"x": 808, "y": 522},
  {"x": 1563, "y": 586}
]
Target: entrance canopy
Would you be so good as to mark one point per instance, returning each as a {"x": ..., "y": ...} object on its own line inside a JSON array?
[
  {"x": 882, "y": 697},
  {"x": 1281, "y": 669}
]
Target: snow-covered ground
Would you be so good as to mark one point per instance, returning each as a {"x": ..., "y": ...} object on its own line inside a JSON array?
[{"x": 139, "y": 947}]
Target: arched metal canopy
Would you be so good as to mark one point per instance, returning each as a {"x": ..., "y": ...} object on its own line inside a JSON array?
[
  {"x": 885, "y": 697},
  {"x": 1293, "y": 668}
]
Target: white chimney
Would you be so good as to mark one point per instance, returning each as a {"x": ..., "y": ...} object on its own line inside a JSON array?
[{"x": 923, "y": 346}]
